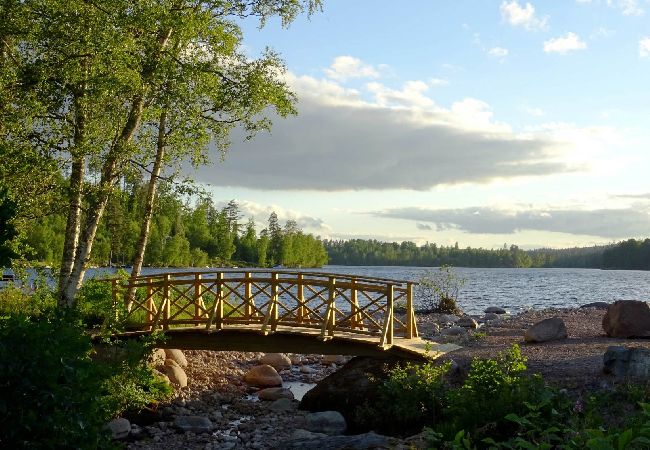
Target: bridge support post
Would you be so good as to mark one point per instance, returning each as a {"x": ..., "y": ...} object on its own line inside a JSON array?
[
  {"x": 198, "y": 299},
  {"x": 327, "y": 331},
  {"x": 216, "y": 313},
  {"x": 300, "y": 295},
  {"x": 150, "y": 304},
  {"x": 356, "y": 318},
  {"x": 411, "y": 325},
  {"x": 271, "y": 317},
  {"x": 387, "y": 332},
  {"x": 248, "y": 296},
  {"x": 166, "y": 306}
]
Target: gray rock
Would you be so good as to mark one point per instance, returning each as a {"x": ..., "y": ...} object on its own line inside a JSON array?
[
  {"x": 307, "y": 369},
  {"x": 333, "y": 359},
  {"x": 328, "y": 422},
  {"x": 495, "y": 310},
  {"x": 467, "y": 322},
  {"x": 304, "y": 434},
  {"x": 364, "y": 441},
  {"x": 596, "y": 305},
  {"x": 546, "y": 330},
  {"x": 447, "y": 318},
  {"x": 491, "y": 316},
  {"x": 454, "y": 331},
  {"x": 283, "y": 404},
  {"x": 272, "y": 394},
  {"x": 627, "y": 362},
  {"x": 627, "y": 318},
  {"x": 119, "y": 428},
  {"x": 195, "y": 424}
]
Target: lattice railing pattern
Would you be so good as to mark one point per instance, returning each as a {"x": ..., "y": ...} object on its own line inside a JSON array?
[{"x": 330, "y": 303}]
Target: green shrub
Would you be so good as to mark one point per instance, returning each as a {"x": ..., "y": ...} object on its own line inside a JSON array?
[
  {"x": 53, "y": 395},
  {"x": 438, "y": 291}
]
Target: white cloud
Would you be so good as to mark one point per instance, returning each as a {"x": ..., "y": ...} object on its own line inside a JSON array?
[
  {"x": 535, "y": 112},
  {"x": 438, "y": 82},
  {"x": 522, "y": 16},
  {"x": 346, "y": 67},
  {"x": 386, "y": 138},
  {"x": 498, "y": 52},
  {"x": 605, "y": 223},
  {"x": 260, "y": 213},
  {"x": 565, "y": 44},
  {"x": 644, "y": 47}
]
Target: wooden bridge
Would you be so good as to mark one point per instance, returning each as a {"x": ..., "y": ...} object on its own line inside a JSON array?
[{"x": 281, "y": 311}]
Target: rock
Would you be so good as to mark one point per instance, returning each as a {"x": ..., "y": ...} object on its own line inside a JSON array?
[
  {"x": 195, "y": 424},
  {"x": 365, "y": 441},
  {"x": 296, "y": 359},
  {"x": 447, "y": 318},
  {"x": 546, "y": 330},
  {"x": 119, "y": 428},
  {"x": 344, "y": 390},
  {"x": 307, "y": 369},
  {"x": 263, "y": 376},
  {"x": 283, "y": 404},
  {"x": 304, "y": 434},
  {"x": 627, "y": 362},
  {"x": 171, "y": 363},
  {"x": 176, "y": 374},
  {"x": 276, "y": 360},
  {"x": 333, "y": 359},
  {"x": 176, "y": 355},
  {"x": 329, "y": 422},
  {"x": 467, "y": 322},
  {"x": 495, "y": 310},
  {"x": 158, "y": 357},
  {"x": 454, "y": 331},
  {"x": 275, "y": 393},
  {"x": 596, "y": 305},
  {"x": 627, "y": 318},
  {"x": 490, "y": 317}
]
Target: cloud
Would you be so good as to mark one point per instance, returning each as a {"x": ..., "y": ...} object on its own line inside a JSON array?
[
  {"x": 346, "y": 67},
  {"x": 605, "y": 223},
  {"x": 401, "y": 139},
  {"x": 438, "y": 82},
  {"x": 644, "y": 47},
  {"x": 535, "y": 112},
  {"x": 260, "y": 213},
  {"x": 498, "y": 52},
  {"x": 565, "y": 44},
  {"x": 423, "y": 226},
  {"x": 522, "y": 16}
]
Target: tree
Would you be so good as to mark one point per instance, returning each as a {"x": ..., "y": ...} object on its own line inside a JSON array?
[{"x": 91, "y": 77}]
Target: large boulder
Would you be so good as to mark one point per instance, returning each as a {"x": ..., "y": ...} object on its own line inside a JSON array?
[
  {"x": 176, "y": 355},
  {"x": 328, "y": 422},
  {"x": 119, "y": 428},
  {"x": 351, "y": 386},
  {"x": 467, "y": 322},
  {"x": 195, "y": 424},
  {"x": 546, "y": 330},
  {"x": 278, "y": 361},
  {"x": 495, "y": 310},
  {"x": 263, "y": 376},
  {"x": 158, "y": 357},
  {"x": 304, "y": 440},
  {"x": 175, "y": 373},
  {"x": 627, "y": 362},
  {"x": 626, "y": 319}
]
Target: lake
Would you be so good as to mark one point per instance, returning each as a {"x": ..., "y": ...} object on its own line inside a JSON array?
[{"x": 515, "y": 289}]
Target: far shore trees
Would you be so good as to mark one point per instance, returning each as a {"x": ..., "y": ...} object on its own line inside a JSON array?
[{"x": 94, "y": 86}]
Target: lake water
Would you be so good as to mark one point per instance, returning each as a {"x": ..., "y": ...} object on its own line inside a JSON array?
[{"x": 518, "y": 289}]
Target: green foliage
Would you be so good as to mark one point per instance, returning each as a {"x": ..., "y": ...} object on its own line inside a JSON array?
[
  {"x": 54, "y": 395},
  {"x": 438, "y": 291}
]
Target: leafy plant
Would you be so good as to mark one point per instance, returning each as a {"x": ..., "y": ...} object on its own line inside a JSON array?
[{"x": 438, "y": 291}]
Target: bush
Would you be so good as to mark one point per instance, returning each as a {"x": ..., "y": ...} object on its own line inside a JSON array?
[
  {"x": 53, "y": 395},
  {"x": 438, "y": 291}
]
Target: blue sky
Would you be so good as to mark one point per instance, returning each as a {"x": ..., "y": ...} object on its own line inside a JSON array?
[{"x": 477, "y": 122}]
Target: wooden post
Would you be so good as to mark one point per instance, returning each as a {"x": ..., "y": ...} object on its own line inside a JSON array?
[
  {"x": 198, "y": 298},
  {"x": 248, "y": 297},
  {"x": 216, "y": 313},
  {"x": 387, "y": 333},
  {"x": 149, "y": 304},
  {"x": 300, "y": 295},
  {"x": 166, "y": 301},
  {"x": 356, "y": 318},
  {"x": 329, "y": 323},
  {"x": 114, "y": 298},
  {"x": 411, "y": 327},
  {"x": 272, "y": 310}
]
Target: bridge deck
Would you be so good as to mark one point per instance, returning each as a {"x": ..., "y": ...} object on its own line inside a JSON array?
[{"x": 289, "y": 340}]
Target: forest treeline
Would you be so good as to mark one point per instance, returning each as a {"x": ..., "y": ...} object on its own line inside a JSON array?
[
  {"x": 182, "y": 235},
  {"x": 629, "y": 254}
]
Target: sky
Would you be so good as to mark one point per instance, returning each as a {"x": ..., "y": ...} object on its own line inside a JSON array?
[{"x": 481, "y": 123}]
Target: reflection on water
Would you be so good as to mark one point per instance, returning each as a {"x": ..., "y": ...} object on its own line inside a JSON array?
[{"x": 298, "y": 388}]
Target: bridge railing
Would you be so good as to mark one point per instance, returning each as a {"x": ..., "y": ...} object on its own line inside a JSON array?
[{"x": 327, "y": 302}]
